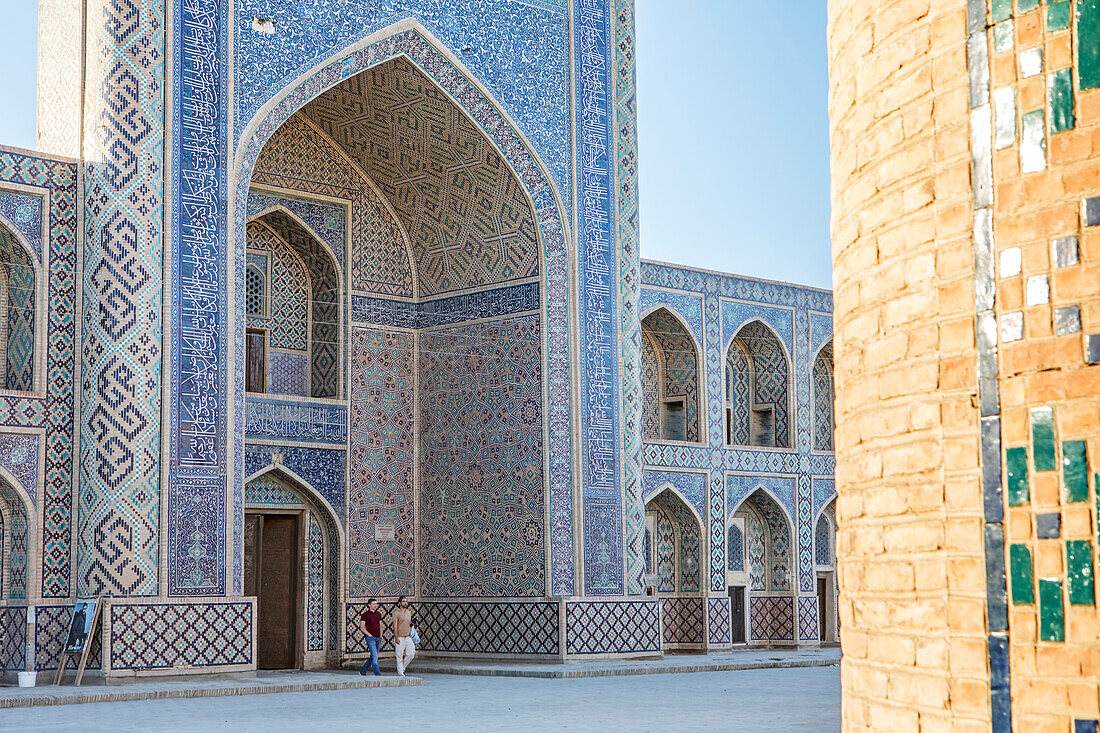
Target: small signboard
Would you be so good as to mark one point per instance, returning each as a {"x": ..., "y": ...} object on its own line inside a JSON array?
[
  {"x": 384, "y": 532},
  {"x": 78, "y": 642}
]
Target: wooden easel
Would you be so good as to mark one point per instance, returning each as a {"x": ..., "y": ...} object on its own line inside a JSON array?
[{"x": 63, "y": 660}]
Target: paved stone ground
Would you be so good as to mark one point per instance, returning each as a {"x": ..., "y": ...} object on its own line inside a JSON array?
[
  {"x": 260, "y": 683},
  {"x": 773, "y": 700},
  {"x": 669, "y": 664}
]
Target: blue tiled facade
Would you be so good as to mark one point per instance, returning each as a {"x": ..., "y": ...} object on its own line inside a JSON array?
[{"x": 454, "y": 393}]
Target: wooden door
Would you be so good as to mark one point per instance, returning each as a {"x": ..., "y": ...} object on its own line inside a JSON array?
[
  {"x": 822, "y": 607},
  {"x": 737, "y": 613},
  {"x": 271, "y": 574}
]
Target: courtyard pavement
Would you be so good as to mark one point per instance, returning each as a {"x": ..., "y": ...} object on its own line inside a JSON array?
[{"x": 773, "y": 700}]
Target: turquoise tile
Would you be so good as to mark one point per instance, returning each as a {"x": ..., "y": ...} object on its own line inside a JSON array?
[
  {"x": 1060, "y": 94},
  {"x": 1058, "y": 16},
  {"x": 1019, "y": 570},
  {"x": 1079, "y": 574},
  {"x": 1075, "y": 477},
  {"x": 1042, "y": 438},
  {"x": 1022, "y": 6},
  {"x": 1003, "y": 37},
  {"x": 1002, "y": 10},
  {"x": 1088, "y": 43},
  {"x": 1019, "y": 491},
  {"x": 1052, "y": 614}
]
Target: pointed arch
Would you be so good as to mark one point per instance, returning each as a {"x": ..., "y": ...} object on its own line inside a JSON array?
[
  {"x": 323, "y": 562},
  {"x": 758, "y": 378},
  {"x": 671, "y": 385},
  {"x": 20, "y": 540},
  {"x": 825, "y": 534},
  {"x": 21, "y": 282},
  {"x": 676, "y": 535},
  {"x": 775, "y": 537},
  {"x": 822, "y": 385}
]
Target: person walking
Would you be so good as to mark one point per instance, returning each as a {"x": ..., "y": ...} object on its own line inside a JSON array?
[
  {"x": 370, "y": 623},
  {"x": 402, "y": 634}
]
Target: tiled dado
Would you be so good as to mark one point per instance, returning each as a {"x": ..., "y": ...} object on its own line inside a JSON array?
[
  {"x": 471, "y": 627},
  {"x": 180, "y": 637}
]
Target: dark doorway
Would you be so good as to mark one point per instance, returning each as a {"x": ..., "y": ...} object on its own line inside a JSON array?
[
  {"x": 255, "y": 360},
  {"x": 737, "y": 613},
  {"x": 271, "y": 574},
  {"x": 822, "y": 607}
]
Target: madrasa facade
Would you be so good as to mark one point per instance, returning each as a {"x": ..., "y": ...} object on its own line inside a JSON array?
[{"x": 304, "y": 303}]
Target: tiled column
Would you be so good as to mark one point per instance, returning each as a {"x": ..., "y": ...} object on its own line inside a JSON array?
[
  {"x": 629, "y": 261},
  {"x": 118, "y": 541}
]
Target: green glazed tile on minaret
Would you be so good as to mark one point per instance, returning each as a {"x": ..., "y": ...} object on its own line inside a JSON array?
[
  {"x": 1052, "y": 615},
  {"x": 1001, "y": 10},
  {"x": 1019, "y": 491},
  {"x": 1088, "y": 43},
  {"x": 1042, "y": 438},
  {"x": 1079, "y": 573},
  {"x": 1075, "y": 477},
  {"x": 1019, "y": 570},
  {"x": 1060, "y": 93}
]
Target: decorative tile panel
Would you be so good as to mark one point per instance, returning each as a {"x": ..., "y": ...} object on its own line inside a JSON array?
[
  {"x": 326, "y": 220},
  {"x": 682, "y": 620},
  {"x": 322, "y": 468},
  {"x": 162, "y": 636},
  {"x": 809, "y": 621},
  {"x": 315, "y": 586},
  {"x": 692, "y": 486},
  {"x": 481, "y": 452},
  {"x": 520, "y": 51},
  {"x": 719, "y": 616},
  {"x": 274, "y": 419},
  {"x": 771, "y": 618},
  {"x": 381, "y": 499},
  {"x": 51, "y": 632},
  {"x": 24, "y": 212},
  {"x": 406, "y": 136},
  {"x": 120, "y": 436},
  {"x": 612, "y": 627},
  {"x": 13, "y": 638}
]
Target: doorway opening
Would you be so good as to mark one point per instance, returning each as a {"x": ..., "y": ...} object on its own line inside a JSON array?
[
  {"x": 271, "y": 562},
  {"x": 292, "y": 567}
]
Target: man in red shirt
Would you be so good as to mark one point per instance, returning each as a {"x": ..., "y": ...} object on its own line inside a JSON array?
[{"x": 370, "y": 623}]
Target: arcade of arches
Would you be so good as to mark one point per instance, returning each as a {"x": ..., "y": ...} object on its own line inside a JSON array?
[{"x": 378, "y": 325}]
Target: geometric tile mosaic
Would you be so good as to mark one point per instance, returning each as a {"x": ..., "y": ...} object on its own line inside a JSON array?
[
  {"x": 51, "y": 631},
  {"x": 718, "y": 621},
  {"x": 771, "y": 618},
  {"x": 489, "y": 628},
  {"x": 159, "y": 636},
  {"x": 55, "y": 411},
  {"x": 605, "y": 627},
  {"x": 380, "y": 529},
  {"x": 430, "y": 160},
  {"x": 682, "y": 620},
  {"x": 807, "y": 618},
  {"x": 315, "y": 586},
  {"x": 13, "y": 638},
  {"x": 481, "y": 445},
  {"x": 121, "y": 351}
]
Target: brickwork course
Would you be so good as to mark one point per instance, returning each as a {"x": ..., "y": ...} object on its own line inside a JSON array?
[{"x": 965, "y": 146}]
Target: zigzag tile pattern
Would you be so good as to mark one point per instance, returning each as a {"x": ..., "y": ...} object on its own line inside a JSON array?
[
  {"x": 382, "y": 386},
  {"x": 51, "y": 631},
  {"x": 119, "y": 531},
  {"x": 13, "y": 638},
  {"x": 651, "y": 389},
  {"x": 468, "y": 219},
  {"x": 719, "y": 621}
]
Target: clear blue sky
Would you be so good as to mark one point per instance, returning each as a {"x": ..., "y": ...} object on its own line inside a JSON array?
[{"x": 733, "y": 126}]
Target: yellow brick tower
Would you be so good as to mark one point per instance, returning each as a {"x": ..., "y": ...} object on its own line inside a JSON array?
[{"x": 966, "y": 245}]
